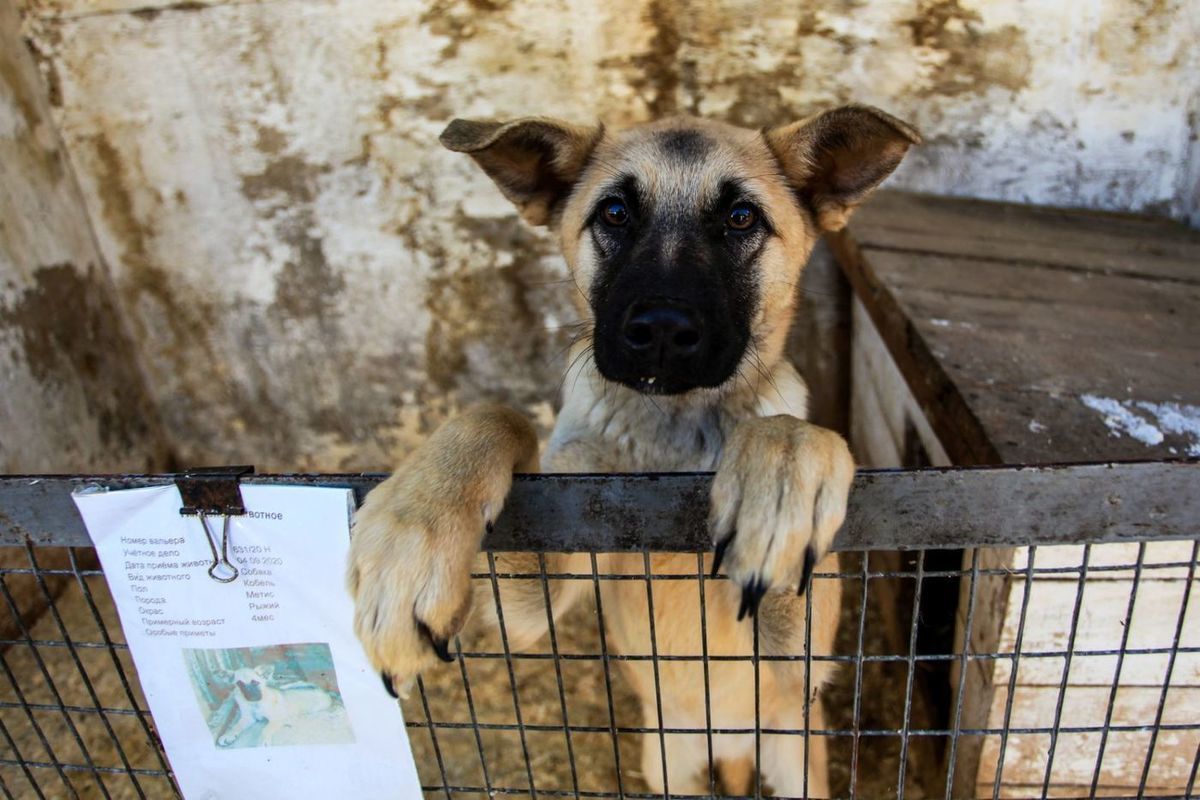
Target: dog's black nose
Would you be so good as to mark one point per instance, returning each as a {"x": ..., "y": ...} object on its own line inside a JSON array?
[{"x": 661, "y": 332}]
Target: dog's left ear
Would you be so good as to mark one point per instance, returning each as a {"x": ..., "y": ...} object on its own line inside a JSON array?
[
  {"x": 835, "y": 159},
  {"x": 534, "y": 161}
]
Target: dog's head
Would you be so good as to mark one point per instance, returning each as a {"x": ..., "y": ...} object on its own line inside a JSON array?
[
  {"x": 687, "y": 237},
  {"x": 250, "y": 680}
]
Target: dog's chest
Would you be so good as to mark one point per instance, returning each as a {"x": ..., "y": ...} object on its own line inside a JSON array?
[
  {"x": 652, "y": 441},
  {"x": 608, "y": 428}
]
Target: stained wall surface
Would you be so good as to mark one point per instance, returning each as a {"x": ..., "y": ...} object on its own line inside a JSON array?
[
  {"x": 312, "y": 282},
  {"x": 71, "y": 396}
]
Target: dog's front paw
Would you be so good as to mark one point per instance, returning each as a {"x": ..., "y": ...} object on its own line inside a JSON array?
[
  {"x": 416, "y": 536},
  {"x": 778, "y": 498},
  {"x": 409, "y": 574}
]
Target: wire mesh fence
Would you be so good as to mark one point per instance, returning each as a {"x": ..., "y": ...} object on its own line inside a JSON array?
[{"x": 957, "y": 671}]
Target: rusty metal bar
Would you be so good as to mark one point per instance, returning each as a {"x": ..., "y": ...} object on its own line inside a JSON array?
[{"x": 904, "y": 509}]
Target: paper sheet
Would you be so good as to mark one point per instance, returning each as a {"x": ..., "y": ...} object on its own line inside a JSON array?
[{"x": 258, "y": 687}]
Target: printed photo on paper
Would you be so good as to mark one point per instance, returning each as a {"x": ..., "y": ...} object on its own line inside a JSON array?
[{"x": 271, "y": 696}]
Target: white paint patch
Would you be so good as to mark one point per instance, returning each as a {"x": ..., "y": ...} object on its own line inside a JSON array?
[
  {"x": 1148, "y": 422},
  {"x": 1036, "y": 427},
  {"x": 940, "y": 323},
  {"x": 1122, "y": 421},
  {"x": 1178, "y": 418}
]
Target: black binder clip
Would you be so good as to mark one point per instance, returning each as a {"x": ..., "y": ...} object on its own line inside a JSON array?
[{"x": 214, "y": 491}]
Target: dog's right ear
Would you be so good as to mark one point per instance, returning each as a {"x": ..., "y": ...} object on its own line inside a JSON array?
[
  {"x": 835, "y": 159},
  {"x": 534, "y": 161}
]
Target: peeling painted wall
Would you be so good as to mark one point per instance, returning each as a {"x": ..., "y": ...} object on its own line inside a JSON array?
[
  {"x": 312, "y": 282},
  {"x": 72, "y": 397}
]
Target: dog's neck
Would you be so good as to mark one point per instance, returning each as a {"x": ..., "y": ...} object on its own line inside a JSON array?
[{"x": 608, "y": 427}]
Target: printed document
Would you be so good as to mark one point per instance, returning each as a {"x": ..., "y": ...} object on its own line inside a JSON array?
[{"x": 256, "y": 683}]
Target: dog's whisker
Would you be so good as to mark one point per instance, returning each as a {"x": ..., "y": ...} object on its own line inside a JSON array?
[
  {"x": 584, "y": 353},
  {"x": 567, "y": 326},
  {"x": 559, "y": 354}
]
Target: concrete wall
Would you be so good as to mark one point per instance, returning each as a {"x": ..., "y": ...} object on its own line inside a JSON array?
[
  {"x": 71, "y": 395},
  {"x": 312, "y": 282}
]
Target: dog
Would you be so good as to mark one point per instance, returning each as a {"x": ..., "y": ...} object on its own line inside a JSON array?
[
  {"x": 278, "y": 706},
  {"x": 686, "y": 239}
]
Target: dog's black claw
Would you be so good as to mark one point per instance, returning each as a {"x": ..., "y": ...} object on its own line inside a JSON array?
[
  {"x": 752, "y": 595},
  {"x": 387, "y": 684},
  {"x": 760, "y": 591},
  {"x": 810, "y": 561},
  {"x": 719, "y": 553},
  {"x": 440, "y": 646}
]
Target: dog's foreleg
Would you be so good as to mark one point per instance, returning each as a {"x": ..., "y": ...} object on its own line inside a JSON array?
[
  {"x": 238, "y": 727},
  {"x": 417, "y": 534},
  {"x": 784, "y": 759},
  {"x": 687, "y": 762},
  {"x": 269, "y": 732},
  {"x": 523, "y": 600}
]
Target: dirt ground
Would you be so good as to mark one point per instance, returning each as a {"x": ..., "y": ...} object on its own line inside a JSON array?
[{"x": 43, "y": 733}]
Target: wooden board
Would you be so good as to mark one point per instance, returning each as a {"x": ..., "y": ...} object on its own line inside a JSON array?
[
  {"x": 819, "y": 341},
  {"x": 1093, "y": 353},
  {"x": 886, "y": 420},
  {"x": 1078, "y": 240}
]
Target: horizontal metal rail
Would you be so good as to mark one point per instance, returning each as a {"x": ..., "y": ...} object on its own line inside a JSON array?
[{"x": 892, "y": 509}]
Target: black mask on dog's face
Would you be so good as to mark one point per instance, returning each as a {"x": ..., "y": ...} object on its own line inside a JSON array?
[
  {"x": 250, "y": 691},
  {"x": 674, "y": 284}
]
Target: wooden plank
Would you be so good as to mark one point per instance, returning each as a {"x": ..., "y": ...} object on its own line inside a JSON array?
[
  {"x": 1100, "y": 628},
  {"x": 1013, "y": 344},
  {"x": 1106, "y": 556},
  {"x": 883, "y": 410},
  {"x": 873, "y": 439},
  {"x": 1136, "y": 669},
  {"x": 1086, "y": 706},
  {"x": 973, "y": 275},
  {"x": 1073, "y": 240},
  {"x": 953, "y": 421},
  {"x": 1042, "y": 364},
  {"x": 1075, "y": 760},
  {"x": 819, "y": 340},
  {"x": 992, "y": 600}
]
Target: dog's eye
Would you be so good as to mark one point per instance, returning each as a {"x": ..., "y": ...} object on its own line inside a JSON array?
[
  {"x": 742, "y": 217},
  {"x": 614, "y": 213}
]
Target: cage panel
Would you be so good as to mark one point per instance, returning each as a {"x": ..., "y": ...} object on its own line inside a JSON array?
[{"x": 1092, "y": 663}]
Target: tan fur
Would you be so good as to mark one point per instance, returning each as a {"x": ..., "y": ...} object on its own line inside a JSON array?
[{"x": 781, "y": 483}]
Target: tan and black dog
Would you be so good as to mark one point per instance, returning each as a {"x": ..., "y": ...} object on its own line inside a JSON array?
[{"x": 686, "y": 239}]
